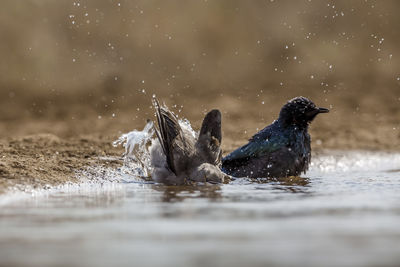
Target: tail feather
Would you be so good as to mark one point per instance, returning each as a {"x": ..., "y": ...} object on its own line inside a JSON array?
[{"x": 168, "y": 130}]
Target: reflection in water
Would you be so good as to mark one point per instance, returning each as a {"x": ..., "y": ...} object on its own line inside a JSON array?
[
  {"x": 179, "y": 193},
  {"x": 393, "y": 170},
  {"x": 212, "y": 192},
  {"x": 288, "y": 181},
  {"x": 293, "y": 184}
]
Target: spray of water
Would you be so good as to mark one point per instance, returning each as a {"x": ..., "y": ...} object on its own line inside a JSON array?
[
  {"x": 140, "y": 149},
  {"x": 136, "y": 154}
]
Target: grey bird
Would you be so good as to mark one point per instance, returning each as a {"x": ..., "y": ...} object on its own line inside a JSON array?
[
  {"x": 281, "y": 149},
  {"x": 180, "y": 157}
]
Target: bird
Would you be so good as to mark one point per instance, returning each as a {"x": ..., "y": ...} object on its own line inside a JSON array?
[
  {"x": 281, "y": 149},
  {"x": 178, "y": 156}
]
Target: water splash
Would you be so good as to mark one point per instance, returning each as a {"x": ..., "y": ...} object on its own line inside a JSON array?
[
  {"x": 137, "y": 144},
  {"x": 355, "y": 161},
  {"x": 185, "y": 125}
]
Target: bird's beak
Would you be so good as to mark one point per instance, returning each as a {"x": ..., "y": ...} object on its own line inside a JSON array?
[{"x": 323, "y": 110}]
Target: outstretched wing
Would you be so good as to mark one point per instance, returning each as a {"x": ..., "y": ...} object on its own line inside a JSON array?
[{"x": 168, "y": 130}]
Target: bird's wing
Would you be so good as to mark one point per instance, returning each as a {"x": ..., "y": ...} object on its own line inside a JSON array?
[
  {"x": 257, "y": 147},
  {"x": 209, "y": 141},
  {"x": 212, "y": 125},
  {"x": 168, "y": 130}
]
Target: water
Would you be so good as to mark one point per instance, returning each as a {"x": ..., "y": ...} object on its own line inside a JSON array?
[{"x": 345, "y": 211}]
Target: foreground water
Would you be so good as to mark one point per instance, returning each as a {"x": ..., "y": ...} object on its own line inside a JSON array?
[{"x": 345, "y": 211}]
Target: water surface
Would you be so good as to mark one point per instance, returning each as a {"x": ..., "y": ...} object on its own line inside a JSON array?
[{"x": 345, "y": 211}]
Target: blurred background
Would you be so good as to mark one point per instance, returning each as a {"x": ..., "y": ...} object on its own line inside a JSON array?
[{"x": 76, "y": 68}]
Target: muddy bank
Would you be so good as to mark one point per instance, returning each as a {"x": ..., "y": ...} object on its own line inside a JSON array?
[{"x": 43, "y": 160}]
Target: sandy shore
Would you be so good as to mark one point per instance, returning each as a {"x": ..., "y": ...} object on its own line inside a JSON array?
[{"x": 44, "y": 160}]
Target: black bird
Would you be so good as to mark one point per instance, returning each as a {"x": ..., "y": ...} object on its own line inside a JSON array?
[
  {"x": 279, "y": 150},
  {"x": 179, "y": 156}
]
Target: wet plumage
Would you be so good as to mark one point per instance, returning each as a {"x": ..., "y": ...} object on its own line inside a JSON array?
[
  {"x": 279, "y": 150},
  {"x": 179, "y": 156}
]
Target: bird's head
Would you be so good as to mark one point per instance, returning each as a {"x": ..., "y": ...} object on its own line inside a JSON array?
[{"x": 300, "y": 111}]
